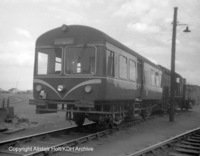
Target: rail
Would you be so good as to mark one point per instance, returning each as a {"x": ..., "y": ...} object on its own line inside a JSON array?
[
  {"x": 180, "y": 145},
  {"x": 71, "y": 143}
]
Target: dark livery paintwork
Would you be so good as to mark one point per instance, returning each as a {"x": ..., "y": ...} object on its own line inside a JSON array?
[{"x": 109, "y": 98}]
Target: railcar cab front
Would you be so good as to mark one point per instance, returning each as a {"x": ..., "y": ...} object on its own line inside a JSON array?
[{"x": 65, "y": 68}]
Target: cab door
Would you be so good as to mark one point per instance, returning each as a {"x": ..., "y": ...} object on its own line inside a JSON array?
[{"x": 139, "y": 79}]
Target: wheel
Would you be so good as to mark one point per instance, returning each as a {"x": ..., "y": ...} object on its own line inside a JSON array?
[{"x": 79, "y": 119}]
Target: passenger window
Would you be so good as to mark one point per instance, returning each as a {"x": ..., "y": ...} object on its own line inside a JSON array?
[
  {"x": 122, "y": 67},
  {"x": 157, "y": 79},
  {"x": 132, "y": 65},
  {"x": 153, "y": 80},
  {"x": 177, "y": 80},
  {"x": 110, "y": 57}
]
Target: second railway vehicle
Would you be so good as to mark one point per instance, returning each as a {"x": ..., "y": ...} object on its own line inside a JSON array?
[{"x": 83, "y": 71}]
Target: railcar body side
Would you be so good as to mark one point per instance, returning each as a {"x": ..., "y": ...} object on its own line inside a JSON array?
[{"x": 86, "y": 73}]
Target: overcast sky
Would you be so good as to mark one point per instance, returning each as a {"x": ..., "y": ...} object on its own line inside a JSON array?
[{"x": 143, "y": 25}]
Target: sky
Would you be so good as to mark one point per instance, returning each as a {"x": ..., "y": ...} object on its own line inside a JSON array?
[{"x": 143, "y": 25}]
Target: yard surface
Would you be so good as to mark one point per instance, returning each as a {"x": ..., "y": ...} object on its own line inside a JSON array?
[
  {"x": 153, "y": 131},
  {"x": 120, "y": 143},
  {"x": 37, "y": 123}
]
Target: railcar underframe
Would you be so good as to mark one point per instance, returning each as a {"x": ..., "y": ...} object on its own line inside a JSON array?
[{"x": 103, "y": 112}]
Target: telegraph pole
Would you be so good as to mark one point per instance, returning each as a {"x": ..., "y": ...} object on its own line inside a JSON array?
[{"x": 173, "y": 57}]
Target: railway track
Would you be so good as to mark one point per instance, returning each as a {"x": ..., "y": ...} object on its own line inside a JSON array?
[
  {"x": 49, "y": 143},
  {"x": 31, "y": 143},
  {"x": 186, "y": 144},
  {"x": 63, "y": 140}
]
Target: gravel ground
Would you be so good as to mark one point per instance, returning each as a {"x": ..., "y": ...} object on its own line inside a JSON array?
[
  {"x": 37, "y": 123},
  {"x": 120, "y": 143},
  {"x": 143, "y": 135}
]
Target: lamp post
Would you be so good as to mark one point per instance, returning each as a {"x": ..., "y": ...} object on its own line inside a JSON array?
[{"x": 173, "y": 57}]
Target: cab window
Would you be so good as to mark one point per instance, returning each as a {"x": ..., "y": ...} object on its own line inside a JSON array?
[
  {"x": 49, "y": 61},
  {"x": 80, "y": 60}
]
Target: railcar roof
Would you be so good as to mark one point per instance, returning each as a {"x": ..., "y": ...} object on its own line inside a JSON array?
[
  {"x": 88, "y": 35},
  {"x": 167, "y": 71}
]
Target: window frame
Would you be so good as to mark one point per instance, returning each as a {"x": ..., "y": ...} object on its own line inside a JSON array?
[
  {"x": 153, "y": 79},
  {"x": 135, "y": 72},
  {"x": 157, "y": 77},
  {"x": 39, "y": 50},
  {"x": 112, "y": 74},
  {"x": 79, "y": 46},
  {"x": 120, "y": 76}
]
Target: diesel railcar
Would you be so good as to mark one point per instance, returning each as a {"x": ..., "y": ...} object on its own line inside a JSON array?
[{"x": 83, "y": 71}]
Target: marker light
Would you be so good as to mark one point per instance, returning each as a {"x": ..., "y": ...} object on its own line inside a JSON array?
[
  {"x": 38, "y": 88},
  {"x": 64, "y": 27},
  {"x": 60, "y": 88},
  {"x": 88, "y": 89}
]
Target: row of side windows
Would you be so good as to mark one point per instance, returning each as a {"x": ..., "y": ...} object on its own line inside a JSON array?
[{"x": 123, "y": 66}]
